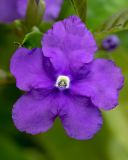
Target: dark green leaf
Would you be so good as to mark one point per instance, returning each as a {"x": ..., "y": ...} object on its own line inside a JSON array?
[
  {"x": 80, "y": 7},
  {"x": 118, "y": 22},
  {"x": 32, "y": 40}
]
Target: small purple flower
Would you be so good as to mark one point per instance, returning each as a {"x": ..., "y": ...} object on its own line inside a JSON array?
[
  {"x": 11, "y": 10},
  {"x": 64, "y": 80},
  {"x": 110, "y": 42}
]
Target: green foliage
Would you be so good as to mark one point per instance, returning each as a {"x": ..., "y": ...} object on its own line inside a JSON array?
[
  {"x": 34, "y": 13},
  {"x": 10, "y": 150},
  {"x": 100, "y": 10},
  {"x": 118, "y": 22},
  {"x": 9, "y": 36},
  {"x": 80, "y": 8},
  {"x": 32, "y": 40}
]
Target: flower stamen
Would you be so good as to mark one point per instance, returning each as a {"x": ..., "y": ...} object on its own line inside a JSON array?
[{"x": 63, "y": 82}]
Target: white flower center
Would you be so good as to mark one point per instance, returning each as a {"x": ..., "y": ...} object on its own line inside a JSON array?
[{"x": 63, "y": 82}]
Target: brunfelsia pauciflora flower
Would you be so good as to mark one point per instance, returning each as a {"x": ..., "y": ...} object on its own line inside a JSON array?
[
  {"x": 11, "y": 10},
  {"x": 110, "y": 42},
  {"x": 62, "y": 79}
]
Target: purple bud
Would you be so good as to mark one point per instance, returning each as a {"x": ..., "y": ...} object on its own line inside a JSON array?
[{"x": 110, "y": 42}]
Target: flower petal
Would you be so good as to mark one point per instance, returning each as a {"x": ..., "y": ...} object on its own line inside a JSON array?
[
  {"x": 27, "y": 68},
  {"x": 34, "y": 113},
  {"x": 69, "y": 44},
  {"x": 8, "y": 11},
  {"x": 102, "y": 83},
  {"x": 53, "y": 8},
  {"x": 22, "y": 7},
  {"x": 81, "y": 119}
]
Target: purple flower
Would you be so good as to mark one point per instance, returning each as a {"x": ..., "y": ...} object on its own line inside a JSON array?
[
  {"x": 52, "y": 9},
  {"x": 11, "y": 10},
  {"x": 110, "y": 42},
  {"x": 64, "y": 80}
]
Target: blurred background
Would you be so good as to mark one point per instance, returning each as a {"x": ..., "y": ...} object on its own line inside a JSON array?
[{"x": 111, "y": 143}]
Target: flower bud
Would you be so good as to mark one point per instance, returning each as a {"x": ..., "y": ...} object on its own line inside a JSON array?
[{"x": 110, "y": 43}]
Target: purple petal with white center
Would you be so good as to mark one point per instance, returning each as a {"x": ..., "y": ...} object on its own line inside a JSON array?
[
  {"x": 27, "y": 67},
  {"x": 34, "y": 113},
  {"x": 69, "y": 44},
  {"x": 80, "y": 118},
  {"x": 102, "y": 83}
]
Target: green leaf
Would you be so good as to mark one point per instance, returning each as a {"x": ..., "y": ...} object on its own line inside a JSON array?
[
  {"x": 80, "y": 7},
  {"x": 118, "y": 22},
  {"x": 32, "y": 40},
  {"x": 34, "y": 13}
]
